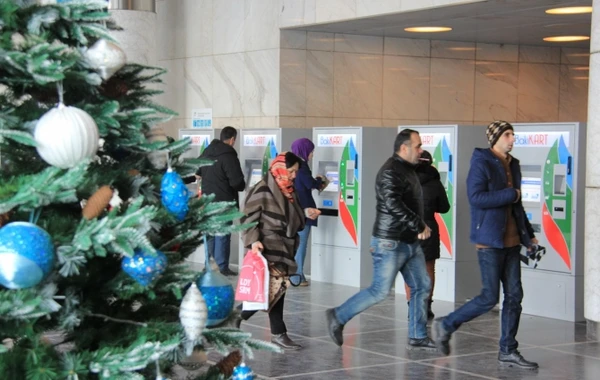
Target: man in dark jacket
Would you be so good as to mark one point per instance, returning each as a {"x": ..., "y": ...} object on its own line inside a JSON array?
[
  {"x": 498, "y": 229},
  {"x": 395, "y": 244},
  {"x": 224, "y": 179}
]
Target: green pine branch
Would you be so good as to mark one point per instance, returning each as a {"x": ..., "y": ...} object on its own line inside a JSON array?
[
  {"x": 52, "y": 185},
  {"x": 109, "y": 361},
  {"x": 27, "y": 304},
  {"x": 119, "y": 235}
]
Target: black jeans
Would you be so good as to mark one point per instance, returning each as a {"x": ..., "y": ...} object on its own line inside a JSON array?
[{"x": 275, "y": 316}]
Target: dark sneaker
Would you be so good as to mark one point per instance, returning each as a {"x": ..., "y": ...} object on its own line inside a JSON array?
[
  {"x": 336, "y": 329},
  {"x": 440, "y": 336},
  {"x": 228, "y": 272},
  {"x": 517, "y": 360},
  {"x": 284, "y": 341},
  {"x": 424, "y": 344}
]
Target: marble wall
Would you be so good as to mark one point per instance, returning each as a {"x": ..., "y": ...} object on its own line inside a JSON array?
[
  {"x": 222, "y": 55},
  {"x": 337, "y": 79},
  {"x": 231, "y": 56}
]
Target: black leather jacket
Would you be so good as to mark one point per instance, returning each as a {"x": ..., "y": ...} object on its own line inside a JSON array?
[{"x": 399, "y": 202}]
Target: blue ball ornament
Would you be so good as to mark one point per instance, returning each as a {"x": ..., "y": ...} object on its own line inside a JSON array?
[
  {"x": 174, "y": 194},
  {"x": 26, "y": 255},
  {"x": 243, "y": 372},
  {"x": 144, "y": 267},
  {"x": 218, "y": 294}
]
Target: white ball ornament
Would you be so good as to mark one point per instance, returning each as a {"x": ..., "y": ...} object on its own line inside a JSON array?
[
  {"x": 66, "y": 136},
  {"x": 107, "y": 57}
]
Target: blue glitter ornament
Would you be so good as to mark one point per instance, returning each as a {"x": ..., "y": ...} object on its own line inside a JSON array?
[
  {"x": 243, "y": 372},
  {"x": 217, "y": 292},
  {"x": 174, "y": 194},
  {"x": 26, "y": 254},
  {"x": 144, "y": 267}
]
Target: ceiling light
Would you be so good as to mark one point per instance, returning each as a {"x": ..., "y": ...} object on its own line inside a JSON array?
[
  {"x": 569, "y": 10},
  {"x": 582, "y": 68},
  {"x": 428, "y": 29},
  {"x": 566, "y": 38}
]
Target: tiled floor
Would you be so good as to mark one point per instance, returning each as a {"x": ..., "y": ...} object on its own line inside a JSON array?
[{"x": 374, "y": 344}]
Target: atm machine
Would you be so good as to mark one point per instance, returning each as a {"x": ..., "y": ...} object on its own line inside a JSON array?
[
  {"x": 552, "y": 157},
  {"x": 457, "y": 275},
  {"x": 350, "y": 158},
  {"x": 258, "y": 147}
]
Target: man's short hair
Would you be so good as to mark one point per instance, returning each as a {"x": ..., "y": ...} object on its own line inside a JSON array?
[
  {"x": 227, "y": 133},
  {"x": 404, "y": 137}
]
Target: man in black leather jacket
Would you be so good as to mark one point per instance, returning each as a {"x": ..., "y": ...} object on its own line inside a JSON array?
[{"x": 395, "y": 244}]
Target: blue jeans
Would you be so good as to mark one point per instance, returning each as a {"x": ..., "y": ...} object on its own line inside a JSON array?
[
  {"x": 219, "y": 247},
  {"x": 301, "y": 252},
  {"x": 497, "y": 266},
  {"x": 389, "y": 257}
]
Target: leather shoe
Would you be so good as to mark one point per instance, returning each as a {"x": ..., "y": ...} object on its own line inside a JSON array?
[
  {"x": 284, "y": 341},
  {"x": 424, "y": 344},
  {"x": 440, "y": 336},
  {"x": 335, "y": 328},
  {"x": 516, "y": 359},
  {"x": 228, "y": 272}
]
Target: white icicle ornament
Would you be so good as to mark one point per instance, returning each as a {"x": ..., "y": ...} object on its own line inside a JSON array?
[
  {"x": 193, "y": 314},
  {"x": 65, "y": 136},
  {"x": 107, "y": 57}
]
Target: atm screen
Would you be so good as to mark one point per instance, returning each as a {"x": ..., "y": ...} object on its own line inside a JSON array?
[
  {"x": 255, "y": 176},
  {"x": 531, "y": 189},
  {"x": 253, "y": 170},
  {"x": 334, "y": 181}
]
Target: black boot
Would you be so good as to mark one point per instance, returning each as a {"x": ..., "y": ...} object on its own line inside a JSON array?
[
  {"x": 284, "y": 341},
  {"x": 430, "y": 315}
]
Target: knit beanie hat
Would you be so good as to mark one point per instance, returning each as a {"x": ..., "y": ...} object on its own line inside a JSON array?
[{"x": 495, "y": 130}]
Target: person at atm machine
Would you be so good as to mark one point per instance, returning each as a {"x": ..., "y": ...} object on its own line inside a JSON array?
[
  {"x": 435, "y": 201},
  {"x": 273, "y": 204},
  {"x": 224, "y": 179},
  {"x": 498, "y": 229},
  {"x": 304, "y": 183},
  {"x": 398, "y": 228}
]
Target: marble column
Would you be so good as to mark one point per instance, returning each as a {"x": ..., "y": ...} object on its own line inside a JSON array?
[
  {"x": 139, "y": 22},
  {"x": 592, "y": 186}
]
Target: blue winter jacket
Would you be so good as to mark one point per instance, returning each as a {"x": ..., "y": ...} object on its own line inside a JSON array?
[
  {"x": 304, "y": 183},
  {"x": 489, "y": 194}
]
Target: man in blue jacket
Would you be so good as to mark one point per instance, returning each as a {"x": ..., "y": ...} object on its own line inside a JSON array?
[{"x": 498, "y": 228}]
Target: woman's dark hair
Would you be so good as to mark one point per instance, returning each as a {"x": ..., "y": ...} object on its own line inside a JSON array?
[
  {"x": 291, "y": 159},
  {"x": 426, "y": 159}
]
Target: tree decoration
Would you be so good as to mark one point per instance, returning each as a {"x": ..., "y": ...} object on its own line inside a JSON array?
[
  {"x": 107, "y": 57},
  {"x": 174, "y": 194},
  {"x": 144, "y": 267},
  {"x": 114, "y": 88},
  {"x": 242, "y": 372},
  {"x": 65, "y": 136},
  {"x": 217, "y": 292},
  {"x": 97, "y": 202},
  {"x": 193, "y": 315},
  {"x": 26, "y": 255}
]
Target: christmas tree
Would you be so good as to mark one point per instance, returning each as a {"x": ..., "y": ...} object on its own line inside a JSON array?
[{"x": 96, "y": 221}]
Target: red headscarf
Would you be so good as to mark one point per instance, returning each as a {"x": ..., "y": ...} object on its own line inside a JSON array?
[{"x": 280, "y": 174}]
